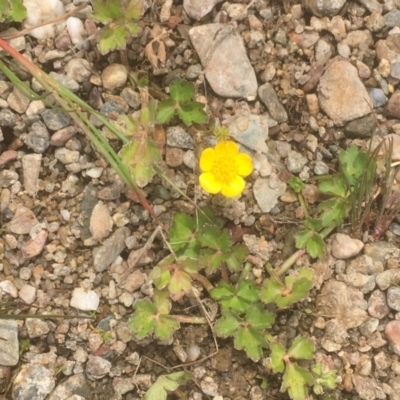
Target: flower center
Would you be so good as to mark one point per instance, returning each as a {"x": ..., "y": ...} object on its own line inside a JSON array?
[{"x": 224, "y": 170}]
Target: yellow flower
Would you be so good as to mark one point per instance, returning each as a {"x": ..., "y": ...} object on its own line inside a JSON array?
[{"x": 224, "y": 169}]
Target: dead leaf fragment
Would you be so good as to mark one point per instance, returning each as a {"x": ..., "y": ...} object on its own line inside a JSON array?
[
  {"x": 155, "y": 50},
  {"x": 100, "y": 222}
]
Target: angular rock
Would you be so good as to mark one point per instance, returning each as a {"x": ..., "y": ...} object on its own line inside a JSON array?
[
  {"x": 363, "y": 127},
  {"x": 97, "y": 367},
  {"x": 78, "y": 69},
  {"x": 393, "y": 298},
  {"x": 365, "y": 387},
  {"x": 228, "y": 72},
  {"x": 62, "y": 136},
  {"x": 33, "y": 382},
  {"x": 23, "y": 221},
  {"x": 36, "y": 327},
  {"x": 345, "y": 304},
  {"x": 269, "y": 97},
  {"x": 392, "y": 332},
  {"x": 378, "y": 97},
  {"x": 31, "y": 165},
  {"x": 85, "y": 300},
  {"x": 267, "y": 196},
  {"x": 112, "y": 247},
  {"x": 250, "y": 131},
  {"x": 34, "y": 246},
  {"x": 326, "y": 8},
  {"x": 7, "y": 156},
  {"x": 38, "y": 139},
  {"x": 17, "y": 101},
  {"x": 55, "y": 119},
  {"x": 198, "y": 9},
  {"x": 73, "y": 385},
  {"x": 392, "y": 18},
  {"x": 341, "y": 93},
  {"x": 179, "y": 137},
  {"x": 9, "y": 350},
  {"x": 387, "y": 278},
  {"x": 377, "y": 306},
  {"x": 381, "y": 251},
  {"x": 393, "y": 106}
]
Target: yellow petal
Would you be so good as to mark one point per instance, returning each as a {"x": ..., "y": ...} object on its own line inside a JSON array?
[
  {"x": 235, "y": 187},
  {"x": 227, "y": 148},
  {"x": 208, "y": 183},
  {"x": 244, "y": 163},
  {"x": 207, "y": 159}
]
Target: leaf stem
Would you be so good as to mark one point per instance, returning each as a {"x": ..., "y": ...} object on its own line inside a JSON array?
[{"x": 190, "y": 320}]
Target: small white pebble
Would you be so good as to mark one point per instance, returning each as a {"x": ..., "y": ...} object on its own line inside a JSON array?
[{"x": 66, "y": 215}]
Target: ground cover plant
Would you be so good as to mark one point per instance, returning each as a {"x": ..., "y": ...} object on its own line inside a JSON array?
[{"x": 203, "y": 257}]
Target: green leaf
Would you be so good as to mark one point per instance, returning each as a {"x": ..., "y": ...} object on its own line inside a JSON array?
[
  {"x": 106, "y": 10},
  {"x": 313, "y": 224},
  {"x": 333, "y": 212},
  {"x": 335, "y": 186},
  {"x": 181, "y": 91},
  {"x": 12, "y": 11},
  {"x": 302, "y": 238},
  {"x": 251, "y": 341},
  {"x": 162, "y": 301},
  {"x": 142, "y": 322},
  {"x": 301, "y": 349},
  {"x": 315, "y": 246},
  {"x": 277, "y": 354},
  {"x": 296, "y": 381},
  {"x": 182, "y": 236},
  {"x": 160, "y": 277},
  {"x": 192, "y": 112},
  {"x": 215, "y": 238},
  {"x": 270, "y": 291},
  {"x": 132, "y": 10},
  {"x": 353, "y": 162},
  {"x": 227, "y": 325},
  {"x": 296, "y": 184},
  {"x": 166, "y": 110},
  {"x": 324, "y": 378},
  {"x": 211, "y": 259},
  {"x": 166, "y": 383},
  {"x": 139, "y": 156},
  {"x": 234, "y": 258},
  {"x": 165, "y": 326},
  {"x": 179, "y": 284},
  {"x": 238, "y": 299},
  {"x": 259, "y": 318}
]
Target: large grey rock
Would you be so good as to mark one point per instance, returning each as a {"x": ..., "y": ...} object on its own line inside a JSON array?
[
  {"x": 226, "y": 65},
  {"x": 269, "y": 97},
  {"x": 267, "y": 191},
  {"x": 9, "y": 353},
  {"x": 341, "y": 93}
]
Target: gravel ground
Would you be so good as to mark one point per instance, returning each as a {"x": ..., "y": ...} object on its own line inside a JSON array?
[{"x": 295, "y": 83}]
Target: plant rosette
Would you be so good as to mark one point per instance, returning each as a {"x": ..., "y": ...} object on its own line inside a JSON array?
[{"x": 223, "y": 169}]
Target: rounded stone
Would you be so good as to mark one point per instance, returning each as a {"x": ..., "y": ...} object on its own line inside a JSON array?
[{"x": 114, "y": 76}]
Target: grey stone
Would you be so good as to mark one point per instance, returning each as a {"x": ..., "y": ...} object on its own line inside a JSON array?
[
  {"x": 33, "y": 382},
  {"x": 295, "y": 162},
  {"x": 66, "y": 81},
  {"x": 55, "y": 119},
  {"x": 112, "y": 247},
  {"x": 378, "y": 97},
  {"x": 250, "y": 131},
  {"x": 198, "y": 9},
  {"x": 178, "y": 137},
  {"x": 78, "y": 69},
  {"x": 193, "y": 71},
  {"x": 66, "y": 156},
  {"x": 132, "y": 97},
  {"x": 372, "y": 6},
  {"x": 228, "y": 72},
  {"x": 97, "y": 367},
  {"x": 38, "y": 139},
  {"x": 36, "y": 327},
  {"x": 362, "y": 127},
  {"x": 267, "y": 196},
  {"x": 7, "y": 118},
  {"x": 7, "y": 178},
  {"x": 377, "y": 306},
  {"x": 269, "y": 97},
  {"x": 73, "y": 385},
  {"x": 369, "y": 327},
  {"x": 393, "y": 298},
  {"x": 17, "y": 101},
  {"x": 392, "y": 18},
  {"x": 112, "y": 109},
  {"x": 324, "y": 8},
  {"x": 321, "y": 168},
  {"x": 9, "y": 352}
]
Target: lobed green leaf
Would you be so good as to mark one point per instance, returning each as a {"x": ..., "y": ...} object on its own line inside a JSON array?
[
  {"x": 192, "y": 112},
  {"x": 166, "y": 111},
  {"x": 296, "y": 381},
  {"x": 181, "y": 91}
]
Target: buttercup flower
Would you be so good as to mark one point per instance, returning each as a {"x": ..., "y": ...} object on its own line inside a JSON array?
[{"x": 224, "y": 169}]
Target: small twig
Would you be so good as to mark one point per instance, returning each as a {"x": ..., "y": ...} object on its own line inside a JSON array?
[
  {"x": 289, "y": 262},
  {"x": 186, "y": 319}
]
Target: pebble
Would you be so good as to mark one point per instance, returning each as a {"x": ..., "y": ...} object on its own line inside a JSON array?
[
  {"x": 61, "y": 137},
  {"x": 34, "y": 247},
  {"x": 387, "y": 278},
  {"x": 33, "y": 382},
  {"x": 132, "y": 97},
  {"x": 250, "y": 131},
  {"x": 355, "y": 38},
  {"x": 262, "y": 165},
  {"x": 73, "y": 385},
  {"x": 321, "y": 168},
  {"x": 66, "y": 81},
  {"x": 189, "y": 159},
  {"x": 323, "y": 51},
  {"x": 76, "y": 30},
  {"x": 78, "y": 69},
  {"x": 341, "y": 93},
  {"x": 134, "y": 281},
  {"x": 101, "y": 222},
  {"x": 35, "y": 108},
  {"x": 31, "y": 166},
  {"x": 7, "y": 156},
  {"x": 375, "y": 22},
  {"x": 372, "y": 6},
  {"x": 8, "y": 178},
  {"x": 55, "y": 119},
  {"x": 7, "y": 118},
  {"x": 378, "y": 97},
  {"x": 174, "y": 156},
  {"x": 36, "y": 327},
  {"x": 393, "y": 106},
  {"x": 66, "y": 156},
  {"x": 38, "y": 139},
  {"x": 97, "y": 367},
  {"x": 114, "y": 76},
  {"x": 392, "y": 18},
  {"x": 327, "y": 8},
  {"x": 344, "y": 247},
  {"x": 265, "y": 195},
  {"x": 198, "y": 9},
  {"x": 209, "y": 386},
  {"x": 377, "y": 306},
  {"x": 23, "y": 221},
  {"x": 95, "y": 172},
  {"x": 9, "y": 348},
  {"x": 392, "y": 331},
  {"x": 27, "y": 293},
  {"x": 8, "y": 287},
  {"x": 363, "y": 127},
  {"x": 268, "y": 96},
  {"x": 369, "y": 326},
  {"x": 229, "y": 74},
  {"x": 178, "y": 137},
  {"x": 193, "y": 71},
  {"x": 393, "y": 298},
  {"x": 381, "y": 251},
  {"x": 112, "y": 247},
  {"x": 365, "y": 387},
  {"x": 295, "y": 162},
  {"x": 85, "y": 300},
  {"x": 17, "y": 101}
]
